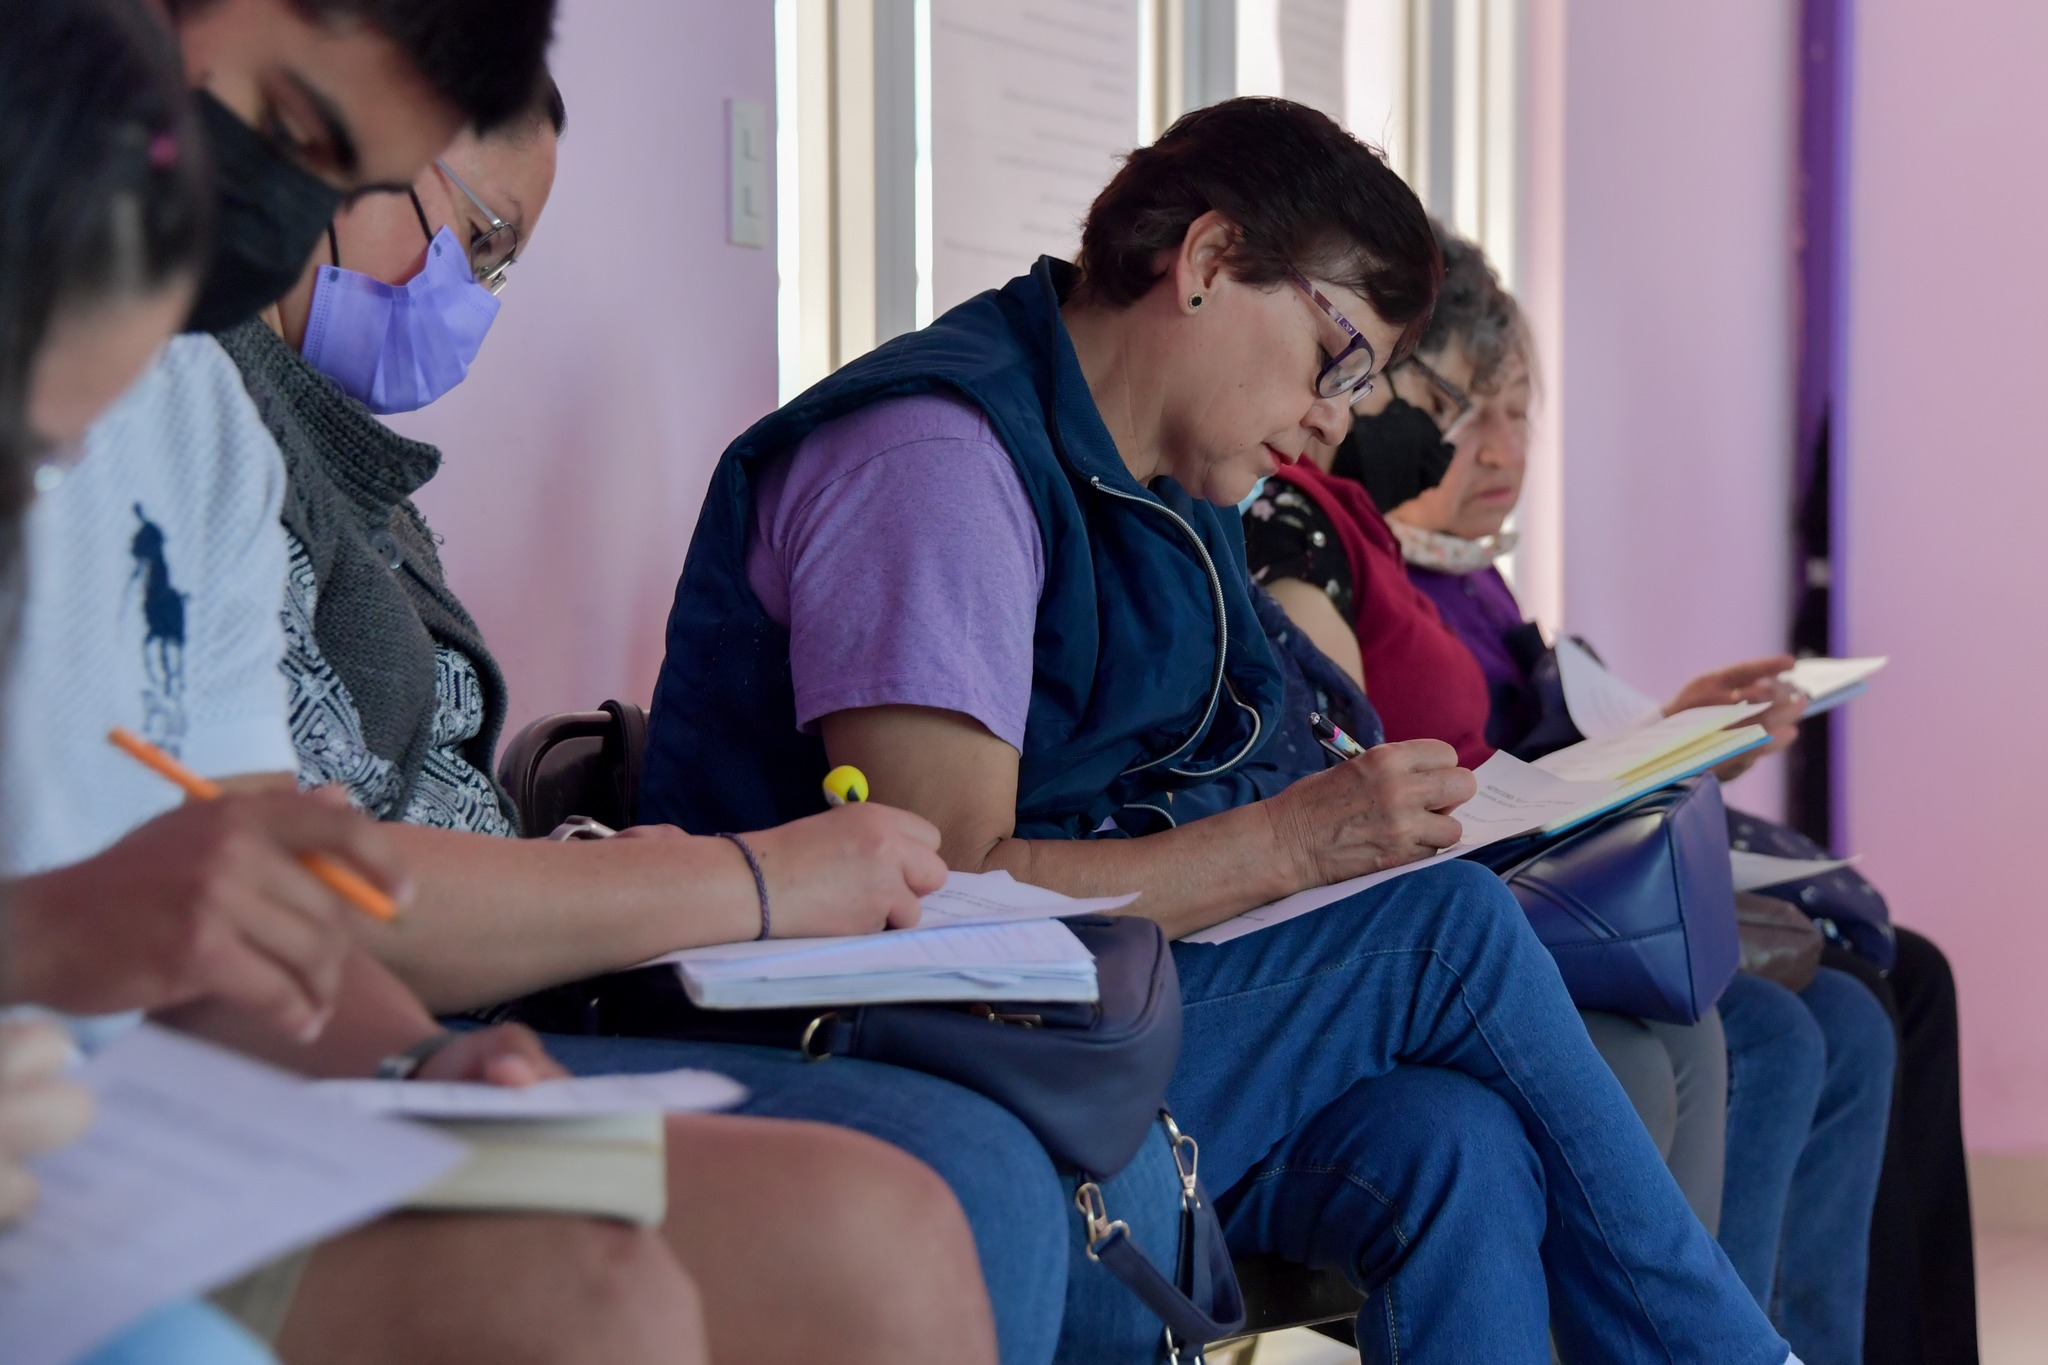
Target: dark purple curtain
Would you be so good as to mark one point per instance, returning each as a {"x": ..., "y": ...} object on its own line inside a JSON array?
[{"x": 1823, "y": 251}]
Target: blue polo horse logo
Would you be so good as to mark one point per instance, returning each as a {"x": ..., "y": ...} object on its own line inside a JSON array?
[{"x": 163, "y": 641}]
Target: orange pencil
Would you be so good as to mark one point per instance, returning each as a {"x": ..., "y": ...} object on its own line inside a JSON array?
[{"x": 345, "y": 883}]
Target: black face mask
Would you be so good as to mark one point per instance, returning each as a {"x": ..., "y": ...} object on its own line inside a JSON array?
[
  {"x": 268, "y": 216},
  {"x": 1397, "y": 454}
]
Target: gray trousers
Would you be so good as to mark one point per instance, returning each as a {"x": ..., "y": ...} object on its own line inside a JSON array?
[{"x": 1676, "y": 1076}]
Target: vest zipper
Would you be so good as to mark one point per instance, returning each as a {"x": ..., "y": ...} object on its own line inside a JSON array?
[{"x": 1220, "y": 681}]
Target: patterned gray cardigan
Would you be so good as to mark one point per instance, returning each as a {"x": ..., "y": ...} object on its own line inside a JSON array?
[{"x": 384, "y": 609}]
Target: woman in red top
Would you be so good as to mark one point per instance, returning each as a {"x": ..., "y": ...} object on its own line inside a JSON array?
[{"x": 1458, "y": 416}]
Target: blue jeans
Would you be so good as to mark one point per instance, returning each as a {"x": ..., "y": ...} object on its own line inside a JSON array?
[
  {"x": 1455, "y": 1187},
  {"x": 188, "y": 1333},
  {"x": 1016, "y": 1205},
  {"x": 1321, "y": 1149},
  {"x": 1809, "y": 1100}
]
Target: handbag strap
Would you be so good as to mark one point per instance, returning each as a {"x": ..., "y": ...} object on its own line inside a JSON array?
[{"x": 1203, "y": 1303}]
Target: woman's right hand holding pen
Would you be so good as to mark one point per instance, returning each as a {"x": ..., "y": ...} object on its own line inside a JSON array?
[
  {"x": 1385, "y": 808},
  {"x": 855, "y": 870},
  {"x": 208, "y": 901}
]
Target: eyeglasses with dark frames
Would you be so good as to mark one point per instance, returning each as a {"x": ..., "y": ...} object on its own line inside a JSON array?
[
  {"x": 1349, "y": 373},
  {"x": 495, "y": 249},
  {"x": 1462, "y": 408}
]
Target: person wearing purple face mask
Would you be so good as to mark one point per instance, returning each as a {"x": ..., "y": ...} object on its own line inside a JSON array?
[
  {"x": 398, "y": 321},
  {"x": 394, "y": 696}
]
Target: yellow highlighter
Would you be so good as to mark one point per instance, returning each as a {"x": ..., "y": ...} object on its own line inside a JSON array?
[{"x": 845, "y": 783}]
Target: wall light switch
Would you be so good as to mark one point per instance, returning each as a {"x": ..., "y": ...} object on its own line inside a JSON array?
[{"x": 747, "y": 167}]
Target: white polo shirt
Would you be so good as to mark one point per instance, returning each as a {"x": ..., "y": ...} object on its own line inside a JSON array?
[{"x": 156, "y": 571}]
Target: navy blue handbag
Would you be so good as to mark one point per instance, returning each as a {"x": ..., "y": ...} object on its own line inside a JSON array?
[
  {"x": 1088, "y": 1080},
  {"x": 1637, "y": 907},
  {"x": 1846, "y": 907}
]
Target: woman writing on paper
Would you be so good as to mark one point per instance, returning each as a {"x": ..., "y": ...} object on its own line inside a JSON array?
[
  {"x": 993, "y": 565},
  {"x": 1459, "y": 413}
]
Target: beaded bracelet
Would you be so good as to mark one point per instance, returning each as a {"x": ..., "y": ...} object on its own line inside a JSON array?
[{"x": 760, "y": 882}]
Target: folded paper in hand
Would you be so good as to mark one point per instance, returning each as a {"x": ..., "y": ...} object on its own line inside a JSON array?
[
  {"x": 983, "y": 937},
  {"x": 1828, "y": 683}
]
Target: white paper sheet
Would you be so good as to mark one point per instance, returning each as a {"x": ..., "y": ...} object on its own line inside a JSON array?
[
  {"x": 199, "y": 1167},
  {"x": 1006, "y": 960},
  {"x": 1755, "y": 871},
  {"x": 984, "y": 936},
  {"x": 1600, "y": 703},
  {"x": 1031, "y": 105},
  {"x": 1303, "y": 902},
  {"x": 1514, "y": 798},
  {"x": 682, "y": 1092},
  {"x": 1825, "y": 680},
  {"x": 989, "y": 897},
  {"x": 1619, "y": 754}
]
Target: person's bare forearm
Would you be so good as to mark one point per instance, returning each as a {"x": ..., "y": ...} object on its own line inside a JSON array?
[
  {"x": 375, "y": 1017},
  {"x": 1188, "y": 878},
  {"x": 497, "y": 918}
]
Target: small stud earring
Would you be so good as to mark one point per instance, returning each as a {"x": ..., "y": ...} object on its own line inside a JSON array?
[{"x": 1194, "y": 300}]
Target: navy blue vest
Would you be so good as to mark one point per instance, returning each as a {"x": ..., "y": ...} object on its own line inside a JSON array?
[{"x": 1149, "y": 670}]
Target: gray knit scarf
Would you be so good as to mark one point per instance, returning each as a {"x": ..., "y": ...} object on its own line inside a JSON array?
[{"x": 382, "y": 606}]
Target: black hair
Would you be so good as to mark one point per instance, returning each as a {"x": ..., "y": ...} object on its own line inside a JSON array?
[
  {"x": 1476, "y": 313},
  {"x": 544, "y": 110},
  {"x": 551, "y": 106},
  {"x": 104, "y": 195},
  {"x": 484, "y": 57},
  {"x": 1303, "y": 194},
  {"x": 104, "y": 185}
]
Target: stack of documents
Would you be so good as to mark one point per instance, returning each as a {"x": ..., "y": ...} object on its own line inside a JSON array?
[
  {"x": 592, "y": 1146},
  {"x": 983, "y": 937}
]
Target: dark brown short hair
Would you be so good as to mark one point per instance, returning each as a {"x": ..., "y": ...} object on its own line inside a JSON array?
[{"x": 1304, "y": 195}]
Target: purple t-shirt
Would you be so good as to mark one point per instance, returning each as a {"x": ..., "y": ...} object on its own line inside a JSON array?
[{"x": 898, "y": 547}]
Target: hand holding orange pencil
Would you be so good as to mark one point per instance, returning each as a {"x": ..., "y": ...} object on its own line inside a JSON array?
[{"x": 345, "y": 883}]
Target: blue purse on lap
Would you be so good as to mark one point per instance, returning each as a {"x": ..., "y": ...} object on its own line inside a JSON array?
[{"x": 1637, "y": 907}]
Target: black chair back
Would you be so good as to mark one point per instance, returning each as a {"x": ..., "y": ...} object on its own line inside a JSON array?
[{"x": 577, "y": 763}]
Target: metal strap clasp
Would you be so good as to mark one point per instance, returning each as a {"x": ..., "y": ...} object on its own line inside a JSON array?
[
  {"x": 1095, "y": 1213},
  {"x": 1187, "y": 1159}
]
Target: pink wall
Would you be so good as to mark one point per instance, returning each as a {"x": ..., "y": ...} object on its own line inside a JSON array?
[
  {"x": 1659, "y": 219},
  {"x": 634, "y": 344},
  {"x": 1945, "y": 550}
]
